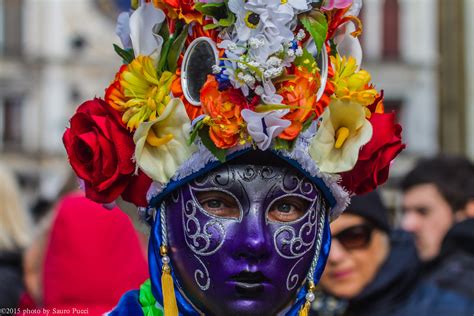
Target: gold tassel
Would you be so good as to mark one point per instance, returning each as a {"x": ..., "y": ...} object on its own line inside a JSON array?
[
  {"x": 305, "y": 310},
  {"x": 169, "y": 298}
]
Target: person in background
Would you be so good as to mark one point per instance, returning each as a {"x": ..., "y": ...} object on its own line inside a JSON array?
[
  {"x": 372, "y": 270},
  {"x": 438, "y": 209},
  {"x": 87, "y": 257},
  {"x": 15, "y": 227}
]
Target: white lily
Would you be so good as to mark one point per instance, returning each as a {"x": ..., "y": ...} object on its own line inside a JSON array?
[
  {"x": 123, "y": 29},
  {"x": 162, "y": 144},
  {"x": 145, "y": 24},
  {"x": 343, "y": 131},
  {"x": 264, "y": 127}
]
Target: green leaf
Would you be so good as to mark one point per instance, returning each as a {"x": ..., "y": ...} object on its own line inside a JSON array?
[
  {"x": 213, "y": 9},
  {"x": 270, "y": 107},
  {"x": 127, "y": 54},
  {"x": 219, "y": 11},
  {"x": 176, "y": 48},
  {"x": 225, "y": 22},
  {"x": 306, "y": 60},
  {"x": 283, "y": 144},
  {"x": 219, "y": 153},
  {"x": 307, "y": 123},
  {"x": 164, "y": 31},
  {"x": 195, "y": 131},
  {"x": 164, "y": 55},
  {"x": 317, "y": 25}
]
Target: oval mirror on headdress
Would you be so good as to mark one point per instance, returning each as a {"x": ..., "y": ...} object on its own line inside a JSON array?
[
  {"x": 198, "y": 60},
  {"x": 322, "y": 61}
]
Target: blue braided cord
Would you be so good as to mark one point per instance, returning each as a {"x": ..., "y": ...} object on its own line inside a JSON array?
[
  {"x": 323, "y": 256},
  {"x": 155, "y": 265}
]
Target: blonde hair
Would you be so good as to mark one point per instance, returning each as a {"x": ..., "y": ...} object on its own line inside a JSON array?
[{"x": 15, "y": 222}]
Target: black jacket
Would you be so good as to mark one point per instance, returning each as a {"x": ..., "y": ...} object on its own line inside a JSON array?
[
  {"x": 11, "y": 279},
  {"x": 453, "y": 269},
  {"x": 397, "y": 290}
]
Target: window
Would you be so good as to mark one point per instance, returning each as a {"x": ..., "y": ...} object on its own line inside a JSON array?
[
  {"x": 391, "y": 29},
  {"x": 10, "y": 27},
  {"x": 2, "y": 27},
  {"x": 11, "y": 121}
]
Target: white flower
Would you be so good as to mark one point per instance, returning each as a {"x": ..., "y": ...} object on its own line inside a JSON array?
[
  {"x": 162, "y": 144},
  {"x": 299, "y": 52},
  {"x": 145, "y": 24},
  {"x": 263, "y": 127},
  {"x": 265, "y": 18},
  {"x": 301, "y": 35},
  {"x": 216, "y": 69},
  {"x": 269, "y": 95},
  {"x": 255, "y": 42},
  {"x": 343, "y": 131},
  {"x": 259, "y": 90},
  {"x": 123, "y": 29}
]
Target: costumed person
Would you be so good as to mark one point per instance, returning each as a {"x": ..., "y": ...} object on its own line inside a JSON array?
[
  {"x": 374, "y": 270},
  {"x": 240, "y": 129}
]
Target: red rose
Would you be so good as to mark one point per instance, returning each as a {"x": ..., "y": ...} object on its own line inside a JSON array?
[
  {"x": 373, "y": 165},
  {"x": 100, "y": 151}
]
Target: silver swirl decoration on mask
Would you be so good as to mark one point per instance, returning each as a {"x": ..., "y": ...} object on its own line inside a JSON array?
[
  {"x": 202, "y": 277},
  {"x": 292, "y": 244},
  {"x": 250, "y": 173},
  {"x": 293, "y": 278},
  {"x": 221, "y": 179},
  {"x": 197, "y": 236},
  {"x": 294, "y": 183}
]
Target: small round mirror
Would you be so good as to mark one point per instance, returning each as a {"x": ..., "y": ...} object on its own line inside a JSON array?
[
  {"x": 198, "y": 60},
  {"x": 322, "y": 61}
]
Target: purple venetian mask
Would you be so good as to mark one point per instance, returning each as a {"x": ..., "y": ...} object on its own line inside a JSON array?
[{"x": 243, "y": 238}]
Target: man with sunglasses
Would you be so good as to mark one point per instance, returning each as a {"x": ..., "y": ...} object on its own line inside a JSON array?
[{"x": 372, "y": 270}]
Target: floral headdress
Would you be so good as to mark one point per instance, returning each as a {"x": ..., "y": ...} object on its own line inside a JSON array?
[{"x": 204, "y": 81}]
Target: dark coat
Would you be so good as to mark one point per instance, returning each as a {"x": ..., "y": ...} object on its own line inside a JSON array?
[
  {"x": 11, "y": 279},
  {"x": 397, "y": 290},
  {"x": 454, "y": 267}
]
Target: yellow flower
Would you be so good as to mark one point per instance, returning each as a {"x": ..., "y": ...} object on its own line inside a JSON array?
[
  {"x": 162, "y": 144},
  {"x": 143, "y": 95},
  {"x": 343, "y": 131},
  {"x": 350, "y": 84}
]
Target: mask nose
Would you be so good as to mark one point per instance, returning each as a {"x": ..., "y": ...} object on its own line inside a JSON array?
[{"x": 253, "y": 244}]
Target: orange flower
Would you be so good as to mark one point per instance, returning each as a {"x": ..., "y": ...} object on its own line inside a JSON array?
[
  {"x": 179, "y": 9},
  {"x": 223, "y": 108},
  {"x": 177, "y": 90},
  {"x": 300, "y": 93},
  {"x": 114, "y": 94}
]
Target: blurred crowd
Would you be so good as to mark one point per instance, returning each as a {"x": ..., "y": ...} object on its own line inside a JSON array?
[
  {"x": 78, "y": 255},
  {"x": 75, "y": 255}
]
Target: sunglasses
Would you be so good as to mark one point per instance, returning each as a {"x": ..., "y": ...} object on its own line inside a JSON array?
[{"x": 355, "y": 237}]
